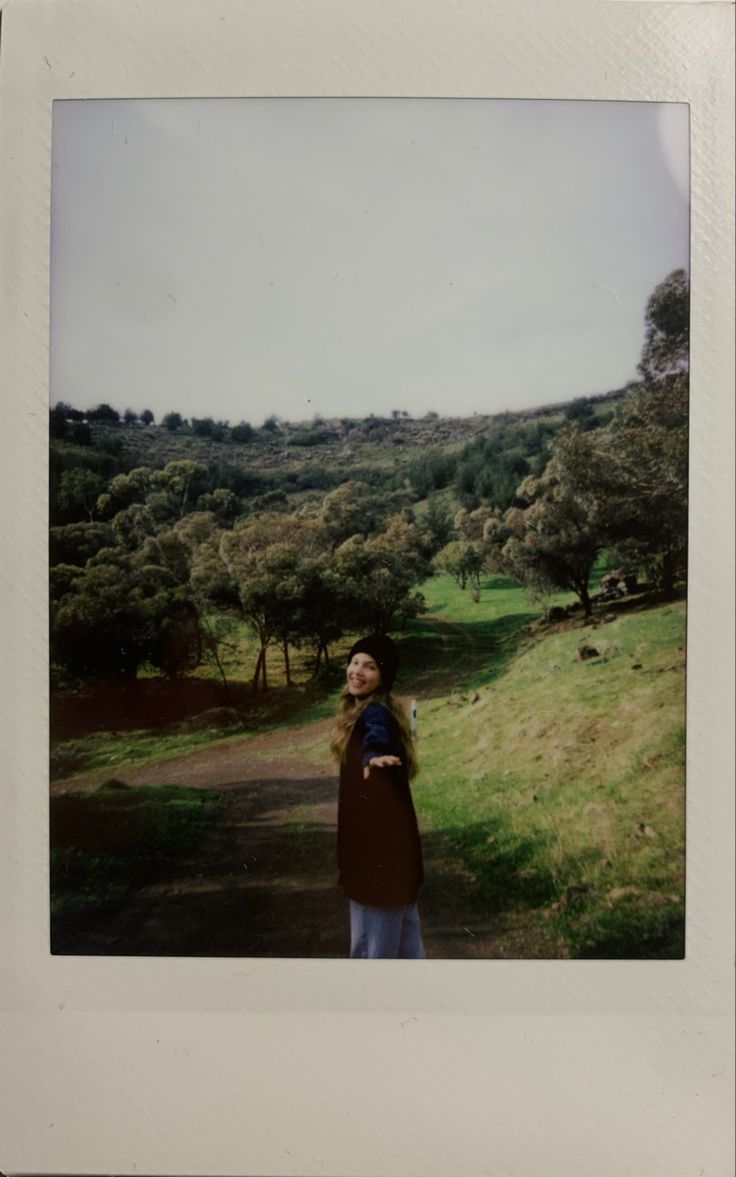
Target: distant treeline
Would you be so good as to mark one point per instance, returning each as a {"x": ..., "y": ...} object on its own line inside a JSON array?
[{"x": 154, "y": 550}]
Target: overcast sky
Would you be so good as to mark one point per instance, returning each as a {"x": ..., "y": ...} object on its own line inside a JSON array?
[{"x": 240, "y": 257}]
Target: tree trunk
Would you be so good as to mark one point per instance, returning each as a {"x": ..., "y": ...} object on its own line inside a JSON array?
[
  {"x": 287, "y": 666},
  {"x": 260, "y": 670},
  {"x": 211, "y": 642},
  {"x": 668, "y": 574},
  {"x": 584, "y": 595},
  {"x": 321, "y": 649}
]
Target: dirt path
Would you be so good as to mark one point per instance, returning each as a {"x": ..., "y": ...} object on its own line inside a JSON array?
[{"x": 219, "y": 765}]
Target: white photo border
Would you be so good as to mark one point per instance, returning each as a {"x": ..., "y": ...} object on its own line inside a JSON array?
[{"x": 207, "y": 1066}]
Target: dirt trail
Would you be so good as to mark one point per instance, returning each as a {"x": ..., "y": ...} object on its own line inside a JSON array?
[{"x": 219, "y": 765}]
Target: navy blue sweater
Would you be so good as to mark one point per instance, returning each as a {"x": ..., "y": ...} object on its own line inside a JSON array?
[{"x": 378, "y": 848}]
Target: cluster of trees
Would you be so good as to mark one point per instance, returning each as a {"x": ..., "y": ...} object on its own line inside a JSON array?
[
  {"x": 72, "y": 424},
  {"x": 620, "y": 486},
  {"x": 489, "y": 469},
  {"x": 153, "y": 564},
  {"x": 159, "y": 570}
]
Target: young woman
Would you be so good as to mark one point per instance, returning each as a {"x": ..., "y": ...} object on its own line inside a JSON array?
[{"x": 378, "y": 848}]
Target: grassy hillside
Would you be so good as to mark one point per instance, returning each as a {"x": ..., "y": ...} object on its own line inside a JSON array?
[
  {"x": 558, "y": 784},
  {"x": 553, "y": 788}
]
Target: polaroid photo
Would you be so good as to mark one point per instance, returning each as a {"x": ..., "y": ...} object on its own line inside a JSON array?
[{"x": 368, "y": 382}]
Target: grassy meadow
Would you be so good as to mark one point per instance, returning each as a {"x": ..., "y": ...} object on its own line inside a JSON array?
[
  {"x": 551, "y": 790},
  {"x": 559, "y": 783}
]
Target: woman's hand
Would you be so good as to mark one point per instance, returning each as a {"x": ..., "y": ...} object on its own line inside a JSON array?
[{"x": 380, "y": 762}]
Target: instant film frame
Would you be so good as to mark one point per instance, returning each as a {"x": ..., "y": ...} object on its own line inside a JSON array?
[
  {"x": 262, "y": 1066},
  {"x": 290, "y": 256}
]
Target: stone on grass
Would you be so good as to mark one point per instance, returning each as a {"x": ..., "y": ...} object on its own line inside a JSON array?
[{"x": 585, "y": 651}]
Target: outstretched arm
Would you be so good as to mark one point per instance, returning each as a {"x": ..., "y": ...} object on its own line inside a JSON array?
[{"x": 381, "y": 746}]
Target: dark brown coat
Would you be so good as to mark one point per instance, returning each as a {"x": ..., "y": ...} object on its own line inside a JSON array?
[{"x": 378, "y": 847}]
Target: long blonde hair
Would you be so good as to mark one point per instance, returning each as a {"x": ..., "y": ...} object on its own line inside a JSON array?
[{"x": 347, "y": 715}]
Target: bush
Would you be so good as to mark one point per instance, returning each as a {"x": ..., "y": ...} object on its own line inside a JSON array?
[
  {"x": 242, "y": 433},
  {"x": 309, "y": 437}
]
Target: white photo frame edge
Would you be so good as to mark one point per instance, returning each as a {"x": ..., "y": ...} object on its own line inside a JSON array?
[{"x": 207, "y": 1066}]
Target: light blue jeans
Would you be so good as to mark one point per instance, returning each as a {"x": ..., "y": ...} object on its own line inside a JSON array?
[{"x": 385, "y": 933}]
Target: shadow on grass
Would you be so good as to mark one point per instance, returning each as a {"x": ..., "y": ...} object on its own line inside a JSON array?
[
  {"x": 482, "y": 877},
  {"x": 439, "y": 655},
  {"x": 643, "y": 927},
  {"x": 171, "y": 871},
  {"x": 473, "y": 879}
]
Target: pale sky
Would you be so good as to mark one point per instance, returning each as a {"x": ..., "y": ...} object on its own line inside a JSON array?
[{"x": 235, "y": 258}]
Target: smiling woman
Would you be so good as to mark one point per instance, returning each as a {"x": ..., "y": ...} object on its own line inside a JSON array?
[{"x": 378, "y": 847}]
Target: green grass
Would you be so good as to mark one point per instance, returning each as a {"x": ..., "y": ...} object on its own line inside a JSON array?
[
  {"x": 108, "y": 844},
  {"x": 561, "y": 788},
  {"x": 116, "y": 752}
]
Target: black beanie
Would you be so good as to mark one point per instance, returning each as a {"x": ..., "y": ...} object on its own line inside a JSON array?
[{"x": 384, "y": 653}]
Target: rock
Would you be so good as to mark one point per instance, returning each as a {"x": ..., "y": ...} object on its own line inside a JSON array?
[
  {"x": 475, "y": 697},
  {"x": 636, "y": 666},
  {"x": 646, "y": 831},
  {"x": 610, "y": 617},
  {"x": 584, "y": 652}
]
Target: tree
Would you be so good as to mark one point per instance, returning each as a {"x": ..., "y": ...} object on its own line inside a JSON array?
[
  {"x": 471, "y": 524},
  {"x": 463, "y": 561},
  {"x": 354, "y": 508},
  {"x": 633, "y": 474},
  {"x": 76, "y": 542},
  {"x": 81, "y": 434},
  {"x": 261, "y": 564},
  {"x": 319, "y": 604},
  {"x": 551, "y": 542},
  {"x": 78, "y": 492},
  {"x": 207, "y": 427},
  {"x": 104, "y": 413},
  {"x": 119, "y": 612},
  {"x": 131, "y": 526},
  {"x": 147, "y": 417},
  {"x": 129, "y": 417},
  {"x": 223, "y": 504},
  {"x": 172, "y": 422},
  {"x": 242, "y": 432},
  {"x": 58, "y": 423},
  {"x": 437, "y": 524},
  {"x": 377, "y": 574},
  {"x": 183, "y": 478},
  {"x": 581, "y": 412},
  {"x": 667, "y": 329}
]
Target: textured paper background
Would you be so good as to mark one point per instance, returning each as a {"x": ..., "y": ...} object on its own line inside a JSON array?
[{"x": 528, "y": 1069}]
